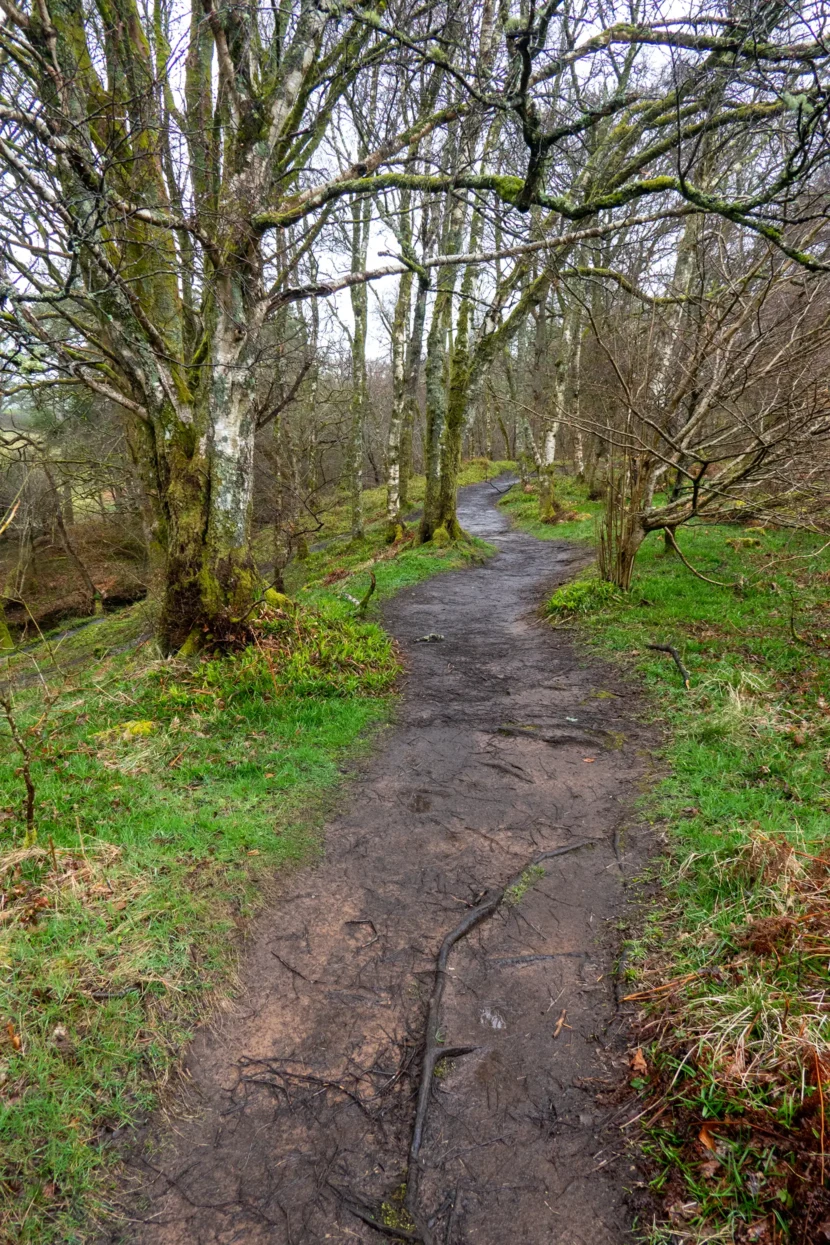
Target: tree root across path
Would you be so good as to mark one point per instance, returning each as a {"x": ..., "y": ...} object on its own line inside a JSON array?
[{"x": 434, "y": 1050}]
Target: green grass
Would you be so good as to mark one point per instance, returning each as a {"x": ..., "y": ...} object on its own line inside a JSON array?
[
  {"x": 523, "y": 508},
  {"x": 168, "y": 793},
  {"x": 743, "y": 923},
  {"x": 516, "y": 893}
]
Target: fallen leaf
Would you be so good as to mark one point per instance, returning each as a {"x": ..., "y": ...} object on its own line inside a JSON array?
[
  {"x": 710, "y": 1168},
  {"x": 560, "y": 1024},
  {"x": 737, "y": 1066},
  {"x": 682, "y": 1211},
  {"x": 253, "y": 853},
  {"x": 14, "y": 1037},
  {"x": 708, "y": 1138},
  {"x": 589, "y": 760},
  {"x": 638, "y": 1062},
  {"x": 269, "y": 775}
]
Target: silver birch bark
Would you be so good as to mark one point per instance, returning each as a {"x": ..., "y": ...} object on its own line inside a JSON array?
[{"x": 361, "y": 222}]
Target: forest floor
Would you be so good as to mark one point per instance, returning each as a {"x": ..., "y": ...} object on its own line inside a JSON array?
[{"x": 297, "y": 1118}]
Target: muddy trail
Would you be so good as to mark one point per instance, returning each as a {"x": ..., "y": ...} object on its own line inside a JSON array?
[{"x": 297, "y": 1122}]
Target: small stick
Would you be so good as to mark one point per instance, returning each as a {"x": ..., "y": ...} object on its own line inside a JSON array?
[{"x": 669, "y": 648}]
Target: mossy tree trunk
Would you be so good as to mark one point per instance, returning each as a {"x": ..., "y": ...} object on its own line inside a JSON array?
[
  {"x": 555, "y": 408},
  {"x": 437, "y": 368},
  {"x": 469, "y": 366}
]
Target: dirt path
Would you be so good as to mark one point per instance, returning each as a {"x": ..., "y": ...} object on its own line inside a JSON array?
[{"x": 508, "y": 744}]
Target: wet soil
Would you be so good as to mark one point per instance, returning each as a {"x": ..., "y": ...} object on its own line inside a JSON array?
[{"x": 509, "y": 742}]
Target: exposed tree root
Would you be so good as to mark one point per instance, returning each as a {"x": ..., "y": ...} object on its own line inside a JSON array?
[
  {"x": 367, "y": 1215},
  {"x": 556, "y": 740},
  {"x": 435, "y": 1051}
]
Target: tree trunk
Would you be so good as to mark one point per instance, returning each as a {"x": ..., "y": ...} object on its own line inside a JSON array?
[
  {"x": 361, "y": 219},
  {"x": 6, "y": 640},
  {"x": 204, "y": 454},
  {"x": 576, "y": 384},
  {"x": 66, "y": 503},
  {"x": 412, "y": 410},
  {"x": 396, "y": 418},
  {"x": 95, "y": 601},
  {"x": 554, "y": 412},
  {"x": 436, "y": 407}
]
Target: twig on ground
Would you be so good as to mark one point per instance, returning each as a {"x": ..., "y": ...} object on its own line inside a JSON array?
[
  {"x": 433, "y": 1052},
  {"x": 272, "y": 1068},
  {"x": 502, "y": 491},
  {"x": 669, "y": 648}
]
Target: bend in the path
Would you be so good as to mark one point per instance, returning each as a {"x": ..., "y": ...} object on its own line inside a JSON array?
[{"x": 508, "y": 742}]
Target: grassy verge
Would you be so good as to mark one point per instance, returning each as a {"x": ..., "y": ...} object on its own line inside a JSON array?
[
  {"x": 167, "y": 793},
  {"x": 732, "y": 968},
  {"x": 523, "y": 507}
]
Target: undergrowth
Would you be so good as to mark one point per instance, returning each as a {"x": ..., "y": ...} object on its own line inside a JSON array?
[
  {"x": 167, "y": 793},
  {"x": 731, "y": 969}
]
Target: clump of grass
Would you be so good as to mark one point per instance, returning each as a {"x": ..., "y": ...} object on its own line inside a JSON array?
[
  {"x": 516, "y": 893},
  {"x": 582, "y": 596},
  {"x": 741, "y": 1049},
  {"x": 394, "y": 1214}
]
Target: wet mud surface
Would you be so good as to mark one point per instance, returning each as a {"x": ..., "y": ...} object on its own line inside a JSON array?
[{"x": 509, "y": 743}]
